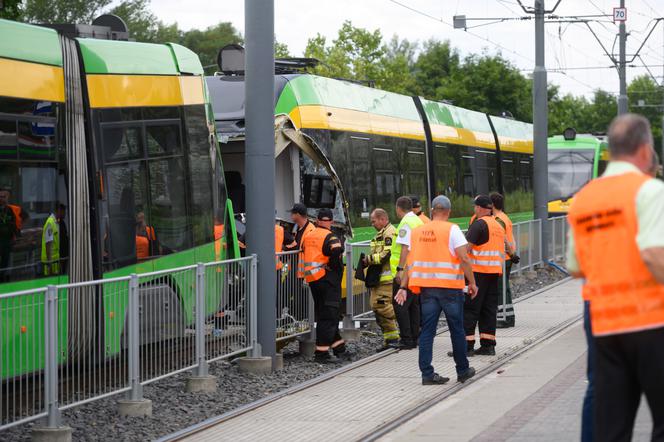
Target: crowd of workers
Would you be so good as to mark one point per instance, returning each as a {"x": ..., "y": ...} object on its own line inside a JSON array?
[{"x": 414, "y": 272}]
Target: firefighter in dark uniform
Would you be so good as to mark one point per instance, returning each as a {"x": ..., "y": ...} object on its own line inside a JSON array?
[{"x": 323, "y": 270}]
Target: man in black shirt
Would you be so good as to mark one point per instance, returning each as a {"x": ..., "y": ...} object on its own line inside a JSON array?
[{"x": 299, "y": 217}]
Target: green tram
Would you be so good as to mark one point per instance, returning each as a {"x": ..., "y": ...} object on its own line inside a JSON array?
[
  {"x": 353, "y": 148},
  {"x": 108, "y": 132},
  {"x": 573, "y": 160}
]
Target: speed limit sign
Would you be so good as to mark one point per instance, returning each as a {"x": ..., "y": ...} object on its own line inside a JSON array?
[{"x": 619, "y": 14}]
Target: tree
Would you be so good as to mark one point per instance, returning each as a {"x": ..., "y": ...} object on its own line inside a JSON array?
[
  {"x": 207, "y": 43},
  {"x": 11, "y": 9},
  {"x": 434, "y": 65},
  {"x": 645, "y": 98},
  {"x": 281, "y": 50},
  {"x": 397, "y": 65},
  {"x": 143, "y": 24},
  {"x": 62, "y": 11},
  {"x": 488, "y": 83}
]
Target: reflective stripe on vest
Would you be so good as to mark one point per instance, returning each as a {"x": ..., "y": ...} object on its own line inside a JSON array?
[
  {"x": 314, "y": 259},
  {"x": 430, "y": 263},
  {"x": 488, "y": 257},
  {"x": 412, "y": 221},
  {"x": 624, "y": 296}
]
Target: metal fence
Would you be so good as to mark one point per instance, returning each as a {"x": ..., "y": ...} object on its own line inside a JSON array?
[
  {"x": 294, "y": 303},
  {"x": 57, "y": 351}
]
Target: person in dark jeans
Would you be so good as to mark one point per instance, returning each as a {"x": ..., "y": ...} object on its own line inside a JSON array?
[
  {"x": 437, "y": 263},
  {"x": 589, "y": 398}
]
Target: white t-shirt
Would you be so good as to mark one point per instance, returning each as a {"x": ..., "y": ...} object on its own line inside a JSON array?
[
  {"x": 457, "y": 239},
  {"x": 403, "y": 235}
]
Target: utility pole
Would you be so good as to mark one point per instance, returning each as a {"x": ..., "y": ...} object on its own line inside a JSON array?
[
  {"x": 622, "y": 72},
  {"x": 540, "y": 129},
  {"x": 259, "y": 157}
]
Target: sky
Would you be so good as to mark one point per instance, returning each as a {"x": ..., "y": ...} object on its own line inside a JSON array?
[{"x": 568, "y": 46}]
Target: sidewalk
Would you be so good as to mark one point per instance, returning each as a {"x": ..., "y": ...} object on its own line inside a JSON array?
[
  {"x": 361, "y": 401},
  {"x": 537, "y": 397}
]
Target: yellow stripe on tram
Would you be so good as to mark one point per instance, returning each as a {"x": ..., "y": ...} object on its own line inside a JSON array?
[
  {"x": 33, "y": 81},
  {"x": 144, "y": 90}
]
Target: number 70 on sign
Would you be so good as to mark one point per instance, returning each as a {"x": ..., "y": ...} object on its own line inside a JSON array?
[{"x": 619, "y": 14}]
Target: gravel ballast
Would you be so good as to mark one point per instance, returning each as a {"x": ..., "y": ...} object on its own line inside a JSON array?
[{"x": 175, "y": 409}]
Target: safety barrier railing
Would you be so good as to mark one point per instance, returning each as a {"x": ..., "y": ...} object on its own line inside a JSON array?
[
  {"x": 294, "y": 315},
  {"x": 558, "y": 229},
  {"x": 528, "y": 239},
  {"x": 358, "y": 296},
  {"x": 62, "y": 346}
]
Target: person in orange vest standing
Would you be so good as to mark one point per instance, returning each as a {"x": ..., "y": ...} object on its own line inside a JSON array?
[
  {"x": 486, "y": 247},
  {"x": 437, "y": 263},
  {"x": 417, "y": 209},
  {"x": 303, "y": 226},
  {"x": 511, "y": 257},
  {"x": 323, "y": 271},
  {"x": 147, "y": 244},
  {"x": 617, "y": 246}
]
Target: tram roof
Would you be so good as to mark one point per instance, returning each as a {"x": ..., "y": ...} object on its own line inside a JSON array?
[{"x": 35, "y": 44}]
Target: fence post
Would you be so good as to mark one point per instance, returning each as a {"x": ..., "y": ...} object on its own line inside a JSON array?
[
  {"x": 51, "y": 357},
  {"x": 531, "y": 236},
  {"x": 517, "y": 240},
  {"x": 541, "y": 254},
  {"x": 348, "y": 317},
  {"x": 135, "y": 404},
  {"x": 564, "y": 254},
  {"x": 253, "y": 307},
  {"x": 201, "y": 369}
]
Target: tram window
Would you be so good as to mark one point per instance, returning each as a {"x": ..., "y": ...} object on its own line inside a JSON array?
[
  {"x": 467, "y": 172},
  {"x": 30, "y": 191},
  {"x": 35, "y": 140},
  {"x": 201, "y": 175},
  {"x": 163, "y": 140},
  {"x": 8, "y": 139},
  {"x": 122, "y": 143},
  {"x": 161, "y": 113},
  {"x": 167, "y": 203},
  {"x": 120, "y": 114},
  {"x": 319, "y": 191},
  {"x": 127, "y": 196}
]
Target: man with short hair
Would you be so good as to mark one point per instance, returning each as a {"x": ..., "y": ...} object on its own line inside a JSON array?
[
  {"x": 408, "y": 312},
  {"x": 303, "y": 226},
  {"x": 417, "y": 208},
  {"x": 323, "y": 270},
  {"x": 379, "y": 277},
  {"x": 437, "y": 263},
  {"x": 506, "y": 311},
  {"x": 616, "y": 244},
  {"x": 486, "y": 247}
]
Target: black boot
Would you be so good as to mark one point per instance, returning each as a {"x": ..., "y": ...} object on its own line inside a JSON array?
[
  {"x": 341, "y": 352},
  {"x": 486, "y": 350},
  {"x": 323, "y": 357}
]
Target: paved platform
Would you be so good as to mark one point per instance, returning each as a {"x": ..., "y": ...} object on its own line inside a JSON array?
[
  {"x": 357, "y": 403},
  {"x": 536, "y": 397}
]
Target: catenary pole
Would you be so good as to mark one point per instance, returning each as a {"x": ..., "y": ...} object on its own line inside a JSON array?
[
  {"x": 259, "y": 170},
  {"x": 540, "y": 130},
  {"x": 622, "y": 70}
]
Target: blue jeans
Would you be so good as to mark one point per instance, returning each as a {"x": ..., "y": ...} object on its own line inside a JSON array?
[
  {"x": 587, "y": 416},
  {"x": 433, "y": 301}
]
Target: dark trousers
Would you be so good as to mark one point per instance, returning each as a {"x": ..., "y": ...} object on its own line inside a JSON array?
[
  {"x": 327, "y": 299},
  {"x": 508, "y": 317},
  {"x": 589, "y": 398},
  {"x": 408, "y": 316},
  {"x": 627, "y": 365},
  {"x": 482, "y": 310},
  {"x": 449, "y": 301}
]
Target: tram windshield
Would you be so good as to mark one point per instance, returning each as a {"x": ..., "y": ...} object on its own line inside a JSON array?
[{"x": 569, "y": 170}]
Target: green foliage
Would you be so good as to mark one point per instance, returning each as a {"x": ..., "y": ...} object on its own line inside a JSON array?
[
  {"x": 434, "y": 65},
  {"x": 207, "y": 43},
  {"x": 143, "y": 24},
  {"x": 644, "y": 88},
  {"x": 281, "y": 50},
  {"x": 11, "y": 9},
  {"x": 62, "y": 11}
]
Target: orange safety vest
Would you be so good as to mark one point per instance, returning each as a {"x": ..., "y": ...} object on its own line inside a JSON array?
[
  {"x": 315, "y": 262},
  {"x": 300, "y": 257},
  {"x": 17, "y": 215},
  {"x": 509, "y": 230},
  {"x": 218, "y": 234},
  {"x": 430, "y": 263},
  {"x": 624, "y": 296},
  {"x": 488, "y": 257},
  {"x": 279, "y": 244},
  {"x": 143, "y": 243},
  {"x": 425, "y": 219}
]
